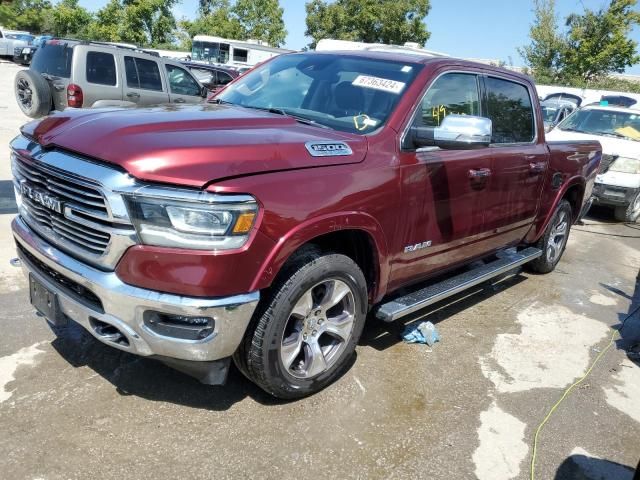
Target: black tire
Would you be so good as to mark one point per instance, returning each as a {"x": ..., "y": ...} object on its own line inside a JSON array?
[
  {"x": 630, "y": 213},
  {"x": 547, "y": 262},
  {"x": 259, "y": 356},
  {"x": 32, "y": 94}
]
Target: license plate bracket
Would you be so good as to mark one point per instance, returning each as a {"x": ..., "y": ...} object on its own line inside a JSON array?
[{"x": 46, "y": 302}]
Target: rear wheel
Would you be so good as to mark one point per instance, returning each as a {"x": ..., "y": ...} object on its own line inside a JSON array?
[
  {"x": 32, "y": 94},
  {"x": 630, "y": 213},
  {"x": 306, "y": 331},
  {"x": 554, "y": 240}
]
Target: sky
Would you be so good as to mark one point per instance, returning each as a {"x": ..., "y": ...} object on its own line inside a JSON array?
[{"x": 485, "y": 29}]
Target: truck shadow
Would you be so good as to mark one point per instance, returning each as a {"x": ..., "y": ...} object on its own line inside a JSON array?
[
  {"x": 380, "y": 335},
  {"x": 579, "y": 467},
  {"x": 150, "y": 379}
]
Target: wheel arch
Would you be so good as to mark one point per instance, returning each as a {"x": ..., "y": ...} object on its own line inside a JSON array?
[{"x": 354, "y": 234}]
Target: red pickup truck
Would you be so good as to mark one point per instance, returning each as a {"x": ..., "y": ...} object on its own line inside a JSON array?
[{"x": 320, "y": 189}]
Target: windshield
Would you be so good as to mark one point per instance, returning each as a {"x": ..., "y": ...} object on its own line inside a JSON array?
[
  {"x": 351, "y": 94},
  {"x": 53, "y": 59},
  {"x": 604, "y": 122},
  {"x": 549, "y": 114},
  {"x": 212, "y": 52},
  {"x": 20, "y": 36}
]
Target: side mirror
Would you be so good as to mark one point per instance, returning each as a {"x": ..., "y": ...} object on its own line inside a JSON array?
[{"x": 456, "y": 132}]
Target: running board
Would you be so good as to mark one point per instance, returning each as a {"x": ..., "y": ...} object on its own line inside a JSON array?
[{"x": 507, "y": 260}]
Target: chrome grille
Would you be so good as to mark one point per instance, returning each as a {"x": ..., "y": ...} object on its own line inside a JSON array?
[{"x": 79, "y": 196}]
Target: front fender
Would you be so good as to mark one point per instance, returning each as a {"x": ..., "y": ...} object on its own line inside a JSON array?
[{"x": 315, "y": 227}]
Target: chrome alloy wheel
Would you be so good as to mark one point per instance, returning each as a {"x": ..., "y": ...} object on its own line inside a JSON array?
[
  {"x": 558, "y": 237},
  {"x": 25, "y": 95},
  {"x": 318, "y": 329}
]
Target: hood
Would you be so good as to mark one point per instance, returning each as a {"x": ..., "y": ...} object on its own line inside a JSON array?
[
  {"x": 191, "y": 145},
  {"x": 610, "y": 145}
]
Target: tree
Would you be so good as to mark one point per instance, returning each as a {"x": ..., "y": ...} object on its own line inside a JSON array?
[
  {"x": 30, "y": 15},
  {"x": 372, "y": 21},
  {"x": 142, "y": 22},
  {"x": 598, "y": 43},
  {"x": 68, "y": 19},
  {"x": 261, "y": 20},
  {"x": 244, "y": 19},
  {"x": 544, "y": 55}
]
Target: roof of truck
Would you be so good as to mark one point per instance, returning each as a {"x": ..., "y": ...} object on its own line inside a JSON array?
[{"x": 420, "y": 58}]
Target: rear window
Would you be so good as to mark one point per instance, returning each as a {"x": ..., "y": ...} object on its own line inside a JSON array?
[
  {"x": 53, "y": 59},
  {"x": 101, "y": 68},
  {"x": 510, "y": 110},
  {"x": 142, "y": 73}
]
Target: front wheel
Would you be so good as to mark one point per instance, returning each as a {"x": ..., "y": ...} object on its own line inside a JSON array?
[
  {"x": 630, "y": 213},
  {"x": 554, "y": 240},
  {"x": 305, "y": 332}
]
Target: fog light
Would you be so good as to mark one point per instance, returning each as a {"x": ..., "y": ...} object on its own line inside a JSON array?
[{"x": 179, "y": 326}]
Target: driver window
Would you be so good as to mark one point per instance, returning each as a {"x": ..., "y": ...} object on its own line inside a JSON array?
[{"x": 451, "y": 93}]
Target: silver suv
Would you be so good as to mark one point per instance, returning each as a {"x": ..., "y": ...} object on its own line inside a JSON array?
[{"x": 73, "y": 73}]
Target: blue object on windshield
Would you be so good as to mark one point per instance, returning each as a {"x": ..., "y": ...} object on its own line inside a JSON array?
[{"x": 604, "y": 103}]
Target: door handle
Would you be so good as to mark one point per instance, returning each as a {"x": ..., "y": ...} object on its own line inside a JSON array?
[
  {"x": 479, "y": 173},
  {"x": 133, "y": 95},
  {"x": 537, "y": 167},
  {"x": 179, "y": 100}
]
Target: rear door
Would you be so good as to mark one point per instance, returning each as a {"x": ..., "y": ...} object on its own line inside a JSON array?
[
  {"x": 102, "y": 78},
  {"x": 519, "y": 159},
  {"x": 183, "y": 88},
  {"x": 444, "y": 191},
  {"x": 144, "y": 83}
]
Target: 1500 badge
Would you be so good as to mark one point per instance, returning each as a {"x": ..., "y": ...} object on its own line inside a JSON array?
[
  {"x": 42, "y": 198},
  {"x": 328, "y": 149},
  {"x": 417, "y": 246}
]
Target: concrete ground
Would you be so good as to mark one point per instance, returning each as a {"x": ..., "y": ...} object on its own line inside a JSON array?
[{"x": 72, "y": 408}]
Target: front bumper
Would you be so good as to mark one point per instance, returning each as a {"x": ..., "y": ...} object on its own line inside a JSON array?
[
  {"x": 613, "y": 195},
  {"x": 99, "y": 297}
]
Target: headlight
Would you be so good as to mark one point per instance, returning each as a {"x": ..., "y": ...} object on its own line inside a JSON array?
[
  {"x": 202, "y": 222},
  {"x": 625, "y": 165}
]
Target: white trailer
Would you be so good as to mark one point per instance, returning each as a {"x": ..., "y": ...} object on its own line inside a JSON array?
[{"x": 235, "y": 53}]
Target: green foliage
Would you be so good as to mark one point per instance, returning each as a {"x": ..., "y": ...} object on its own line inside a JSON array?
[
  {"x": 244, "y": 19},
  {"x": 372, "y": 21},
  {"x": 69, "y": 20},
  {"x": 594, "y": 45},
  {"x": 141, "y": 22},
  {"x": 544, "y": 54},
  {"x": 30, "y": 15},
  {"x": 598, "y": 42}
]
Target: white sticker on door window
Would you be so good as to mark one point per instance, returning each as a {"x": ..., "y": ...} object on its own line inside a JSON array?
[{"x": 377, "y": 83}]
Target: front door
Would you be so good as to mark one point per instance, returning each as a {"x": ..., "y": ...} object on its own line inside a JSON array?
[
  {"x": 144, "y": 83},
  {"x": 183, "y": 88},
  {"x": 443, "y": 191},
  {"x": 519, "y": 161}
]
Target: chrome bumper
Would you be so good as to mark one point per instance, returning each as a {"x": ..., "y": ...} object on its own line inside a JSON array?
[{"x": 124, "y": 305}]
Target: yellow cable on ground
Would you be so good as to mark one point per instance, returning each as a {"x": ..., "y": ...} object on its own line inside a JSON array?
[{"x": 568, "y": 390}]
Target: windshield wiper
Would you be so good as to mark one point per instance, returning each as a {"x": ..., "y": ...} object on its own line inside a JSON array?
[
  {"x": 285, "y": 113},
  {"x": 613, "y": 134}
]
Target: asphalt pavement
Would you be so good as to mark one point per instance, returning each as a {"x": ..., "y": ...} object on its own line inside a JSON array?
[{"x": 469, "y": 407}]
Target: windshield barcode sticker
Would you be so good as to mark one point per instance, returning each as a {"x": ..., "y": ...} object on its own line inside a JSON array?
[{"x": 379, "y": 84}]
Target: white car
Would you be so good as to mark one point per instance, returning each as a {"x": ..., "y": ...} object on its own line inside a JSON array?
[
  {"x": 11, "y": 39},
  {"x": 618, "y": 131}
]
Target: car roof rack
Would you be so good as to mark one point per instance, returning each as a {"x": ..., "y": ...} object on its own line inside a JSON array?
[{"x": 124, "y": 46}]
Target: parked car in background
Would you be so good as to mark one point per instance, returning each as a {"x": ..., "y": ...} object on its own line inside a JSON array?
[
  {"x": 554, "y": 111},
  {"x": 319, "y": 188},
  {"x": 24, "y": 55},
  {"x": 564, "y": 97},
  {"x": 618, "y": 131},
  {"x": 10, "y": 40},
  {"x": 618, "y": 100},
  {"x": 211, "y": 76},
  {"x": 78, "y": 74}
]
